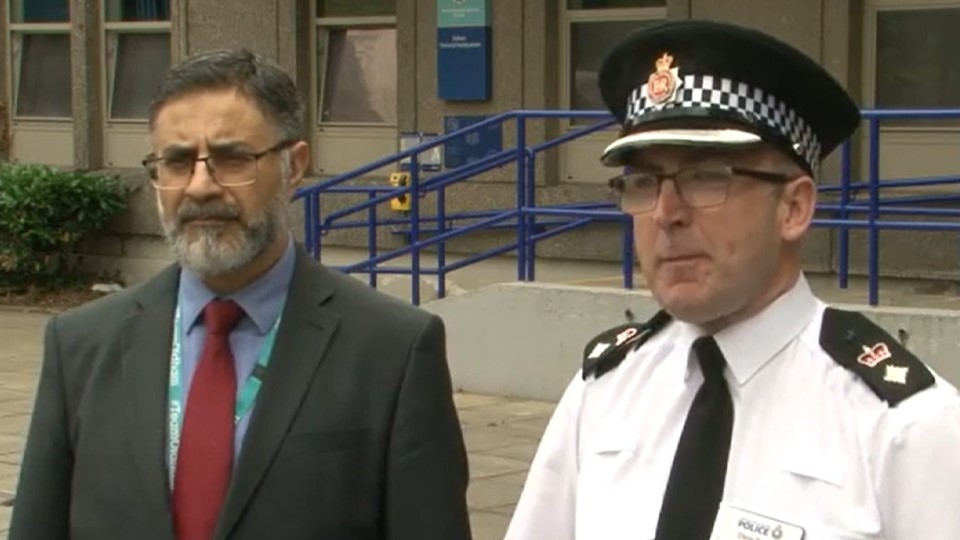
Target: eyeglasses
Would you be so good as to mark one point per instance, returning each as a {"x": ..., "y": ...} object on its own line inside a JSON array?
[
  {"x": 228, "y": 166},
  {"x": 698, "y": 187}
]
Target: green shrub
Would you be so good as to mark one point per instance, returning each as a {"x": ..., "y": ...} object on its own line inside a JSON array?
[{"x": 44, "y": 214}]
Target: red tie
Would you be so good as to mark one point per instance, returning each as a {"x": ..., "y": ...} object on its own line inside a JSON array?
[{"x": 205, "y": 458}]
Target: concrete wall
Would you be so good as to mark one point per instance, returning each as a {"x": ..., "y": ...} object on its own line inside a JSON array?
[
  {"x": 527, "y": 340},
  {"x": 269, "y": 28}
]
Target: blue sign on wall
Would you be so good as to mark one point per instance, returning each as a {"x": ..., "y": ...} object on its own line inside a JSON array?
[
  {"x": 463, "y": 50},
  {"x": 472, "y": 146},
  {"x": 463, "y": 63}
]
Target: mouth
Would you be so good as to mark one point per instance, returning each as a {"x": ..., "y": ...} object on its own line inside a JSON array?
[
  {"x": 679, "y": 259},
  {"x": 208, "y": 222},
  {"x": 209, "y": 219}
]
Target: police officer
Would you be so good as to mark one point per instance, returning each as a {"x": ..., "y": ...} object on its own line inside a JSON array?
[{"x": 745, "y": 408}]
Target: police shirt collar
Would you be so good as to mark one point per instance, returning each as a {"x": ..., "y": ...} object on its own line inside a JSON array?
[{"x": 751, "y": 344}]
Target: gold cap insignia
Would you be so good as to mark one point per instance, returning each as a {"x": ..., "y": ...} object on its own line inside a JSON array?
[{"x": 662, "y": 84}]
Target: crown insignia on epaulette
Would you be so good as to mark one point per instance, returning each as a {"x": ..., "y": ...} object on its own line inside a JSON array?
[
  {"x": 860, "y": 345},
  {"x": 874, "y": 355}
]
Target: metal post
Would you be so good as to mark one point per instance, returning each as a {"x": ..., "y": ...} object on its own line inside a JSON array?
[
  {"x": 845, "y": 173},
  {"x": 316, "y": 226},
  {"x": 414, "y": 194},
  {"x": 531, "y": 225},
  {"x": 308, "y": 224},
  {"x": 372, "y": 238},
  {"x": 442, "y": 246},
  {"x": 873, "y": 255},
  {"x": 521, "y": 199},
  {"x": 628, "y": 257}
]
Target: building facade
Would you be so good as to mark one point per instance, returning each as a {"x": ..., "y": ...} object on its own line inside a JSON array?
[{"x": 78, "y": 76}]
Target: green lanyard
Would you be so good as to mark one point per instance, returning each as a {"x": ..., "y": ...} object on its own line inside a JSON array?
[{"x": 248, "y": 394}]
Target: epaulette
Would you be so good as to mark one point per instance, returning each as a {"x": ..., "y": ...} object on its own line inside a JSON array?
[
  {"x": 608, "y": 349},
  {"x": 862, "y": 346}
]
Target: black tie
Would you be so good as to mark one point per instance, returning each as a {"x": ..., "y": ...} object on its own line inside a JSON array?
[{"x": 695, "y": 487}]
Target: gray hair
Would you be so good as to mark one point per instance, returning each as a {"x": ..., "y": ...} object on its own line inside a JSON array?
[{"x": 260, "y": 80}]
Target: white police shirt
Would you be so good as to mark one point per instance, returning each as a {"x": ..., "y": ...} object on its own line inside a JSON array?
[{"x": 815, "y": 453}]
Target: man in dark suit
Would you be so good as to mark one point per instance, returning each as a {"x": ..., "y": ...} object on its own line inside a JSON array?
[{"x": 246, "y": 392}]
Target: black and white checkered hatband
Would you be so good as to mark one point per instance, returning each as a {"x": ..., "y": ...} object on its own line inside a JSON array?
[{"x": 721, "y": 94}]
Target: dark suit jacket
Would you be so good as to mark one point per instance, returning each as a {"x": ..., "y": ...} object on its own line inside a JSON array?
[{"x": 354, "y": 435}]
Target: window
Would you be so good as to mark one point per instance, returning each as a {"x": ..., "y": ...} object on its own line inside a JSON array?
[
  {"x": 614, "y": 4},
  {"x": 40, "y": 11},
  {"x": 591, "y": 29},
  {"x": 137, "y": 54},
  {"x": 915, "y": 58},
  {"x": 40, "y": 39},
  {"x": 353, "y": 8},
  {"x": 138, "y": 10},
  {"x": 357, "y": 62}
]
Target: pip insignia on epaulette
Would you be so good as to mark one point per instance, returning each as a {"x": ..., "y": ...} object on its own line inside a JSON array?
[
  {"x": 608, "y": 349},
  {"x": 860, "y": 345}
]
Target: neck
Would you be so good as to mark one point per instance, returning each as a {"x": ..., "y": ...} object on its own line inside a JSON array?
[
  {"x": 232, "y": 282},
  {"x": 784, "y": 280}
]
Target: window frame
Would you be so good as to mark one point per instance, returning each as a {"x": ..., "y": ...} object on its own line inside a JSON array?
[
  {"x": 15, "y": 33},
  {"x": 871, "y": 11},
  {"x": 321, "y": 38},
  {"x": 109, "y": 43},
  {"x": 569, "y": 17}
]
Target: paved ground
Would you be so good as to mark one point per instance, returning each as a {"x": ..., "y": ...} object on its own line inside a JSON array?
[{"x": 501, "y": 434}]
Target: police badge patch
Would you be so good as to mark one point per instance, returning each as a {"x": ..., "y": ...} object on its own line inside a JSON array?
[{"x": 663, "y": 83}]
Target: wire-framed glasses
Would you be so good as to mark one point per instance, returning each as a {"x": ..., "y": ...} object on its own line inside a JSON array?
[
  {"x": 228, "y": 165},
  {"x": 698, "y": 187}
]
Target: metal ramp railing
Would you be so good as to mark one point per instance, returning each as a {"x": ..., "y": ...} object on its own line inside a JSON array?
[{"x": 534, "y": 223}]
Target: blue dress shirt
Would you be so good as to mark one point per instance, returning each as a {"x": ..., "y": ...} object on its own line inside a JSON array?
[{"x": 261, "y": 301}]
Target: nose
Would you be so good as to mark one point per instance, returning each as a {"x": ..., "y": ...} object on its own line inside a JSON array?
[
  {"x": 201, "y": 184},
  {"x": 671, "y": 210}
]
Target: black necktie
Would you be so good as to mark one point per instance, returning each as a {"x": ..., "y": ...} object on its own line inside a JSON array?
[{"x": 695, "y": 487}]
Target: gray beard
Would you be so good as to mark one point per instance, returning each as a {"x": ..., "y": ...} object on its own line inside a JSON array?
[{"x": 215, "y": 251}]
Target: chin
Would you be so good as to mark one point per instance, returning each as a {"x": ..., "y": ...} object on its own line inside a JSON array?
[
  {"x": 213, "y": 263},
  {"x": 689, "y": 302},
  {"x": 213, "y": 255}
]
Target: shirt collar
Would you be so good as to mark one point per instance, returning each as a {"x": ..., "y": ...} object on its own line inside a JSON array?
[
  {"x": 751, "y": 344},
  {"x": 261, "y": 300}
]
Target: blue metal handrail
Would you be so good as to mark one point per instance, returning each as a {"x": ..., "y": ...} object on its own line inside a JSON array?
[
  {"x": 873, "y": 207},
  {"x": 522, "y": 155},
  {"x": 526, "y": 211}
]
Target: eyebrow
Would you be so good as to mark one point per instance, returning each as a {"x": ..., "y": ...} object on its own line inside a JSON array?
[{"x": 226, "y": 146}]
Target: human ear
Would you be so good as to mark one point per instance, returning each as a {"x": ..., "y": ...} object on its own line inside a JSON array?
[
  {"x": 798, "y": 204},
  {"x": 299, "y": 164}
]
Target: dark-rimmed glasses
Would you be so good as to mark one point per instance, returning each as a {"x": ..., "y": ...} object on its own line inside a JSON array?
[
  {"x": 698, "y": 187},
  {"x": 229, "y": 166}
]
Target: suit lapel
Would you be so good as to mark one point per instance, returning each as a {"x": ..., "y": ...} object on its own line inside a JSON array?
[
  {"x": 146, "y": 339},
  {"x": 302, "y": 340}
]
